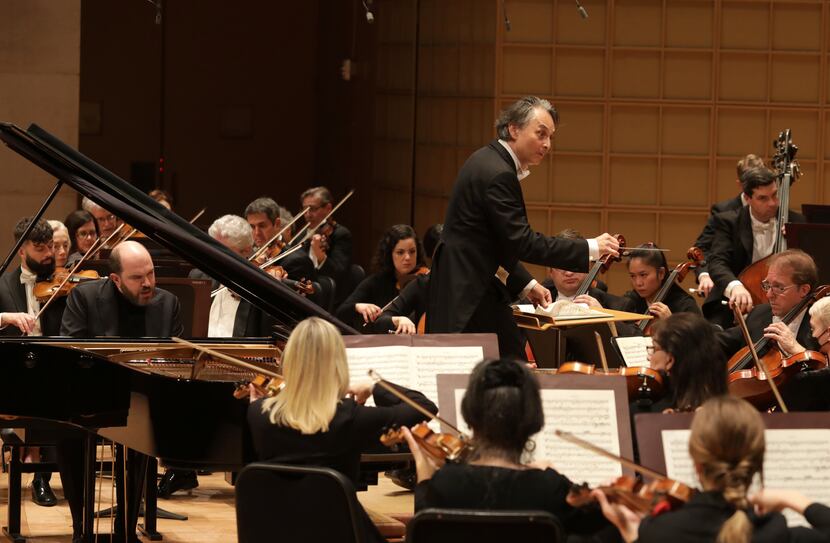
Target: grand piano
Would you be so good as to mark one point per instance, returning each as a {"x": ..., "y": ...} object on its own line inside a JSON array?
[{"x": 176, "y": 409}]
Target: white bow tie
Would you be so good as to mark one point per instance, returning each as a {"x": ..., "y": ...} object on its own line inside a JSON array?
[
  {"x": 763, "y": 228},
  {"x": 27, "y": 277}
]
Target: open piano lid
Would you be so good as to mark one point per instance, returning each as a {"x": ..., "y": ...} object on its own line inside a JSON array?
[{"x": 165, "y": 227}]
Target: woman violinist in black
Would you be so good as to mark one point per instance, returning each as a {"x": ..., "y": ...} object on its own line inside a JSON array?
[
  {"x": 727, "y": 447},
  {"x": 399, "y": 256},
  {"x": 503, "y": 407},
  {"x": 648, "y": 270}
]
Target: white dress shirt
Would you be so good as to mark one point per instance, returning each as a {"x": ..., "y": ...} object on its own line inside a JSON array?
[{"x": 223, "y": 314}]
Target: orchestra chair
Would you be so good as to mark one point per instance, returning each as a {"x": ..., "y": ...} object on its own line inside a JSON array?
[
  {"x": 279, "y": 502},
  {"x": 356, "y": 275},
  {"x": 483, "y": 526},
  {"x": 324, "y": 296}
]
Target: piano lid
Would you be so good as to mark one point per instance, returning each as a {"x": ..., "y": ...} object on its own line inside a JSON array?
[{"x": 165, "y": 227}]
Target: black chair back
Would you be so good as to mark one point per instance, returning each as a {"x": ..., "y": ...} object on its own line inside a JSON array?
[
  {"x": 454, "y": 525},
  {"x": 324, "y": 296},
  {"x": 277, "y": 502}
]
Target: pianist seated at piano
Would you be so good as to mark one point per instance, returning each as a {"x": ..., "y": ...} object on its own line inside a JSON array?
[
  {"x": 319, "y": 418},
  {"x": 126, "y": 304},
  {"x": 398, "y": 257}
]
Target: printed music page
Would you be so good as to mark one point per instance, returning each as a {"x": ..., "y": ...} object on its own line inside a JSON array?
[
  {"x": 427, "y": 362},
  {"x": 795, "y": 459},
  {"x": 634, "y": 350},
  {"x": 391, "y": 362}
]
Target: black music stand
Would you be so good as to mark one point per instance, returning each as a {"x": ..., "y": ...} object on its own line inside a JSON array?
[
  {"x": 812, "y": 239},
  {"x": 816, "y": 213}
]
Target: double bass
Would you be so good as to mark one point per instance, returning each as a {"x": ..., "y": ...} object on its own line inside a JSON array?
[{"x": 788, "y": 173}]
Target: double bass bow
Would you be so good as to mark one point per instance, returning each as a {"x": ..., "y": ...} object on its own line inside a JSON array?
[
  {"x": 677, "y": 275},
  {"x": 788, "y": 173}
]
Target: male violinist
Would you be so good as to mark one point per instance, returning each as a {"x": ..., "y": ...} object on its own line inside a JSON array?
[
  {"x": 106, "y": 221},
  {"x": 486, "y": 227},
  {"x": 704, "y": 240},
  {"x": 331, "y": 255},
  {"x": 266, "y": 219},
  {"x": 742, "y": 237},
  {"x": 19, "y": 306}
]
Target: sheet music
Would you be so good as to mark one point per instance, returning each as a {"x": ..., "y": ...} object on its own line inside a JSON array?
[
  {"x": 634, "y": 350},
  {"x": 590, "y": 415},
  {"x": 795, "y": 459},
  {"x": 412, "y": 367}
]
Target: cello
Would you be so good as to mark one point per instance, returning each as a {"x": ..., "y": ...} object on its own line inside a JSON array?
[
  {"x": 600, "y": 266},
  {"x": 788, "y": 173},
  {"x": 677, "y": 275}
]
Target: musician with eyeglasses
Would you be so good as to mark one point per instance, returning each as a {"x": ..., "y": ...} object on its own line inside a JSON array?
[
  {"x": 105, "y": 220},
  {"x": 82, "y": 234},
  {"x": 792, "y": 276}
]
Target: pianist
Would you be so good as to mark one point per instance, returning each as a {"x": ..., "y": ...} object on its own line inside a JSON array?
[
  {"x": 126, "y": 304},
  {"x": 19, "y": 306}
]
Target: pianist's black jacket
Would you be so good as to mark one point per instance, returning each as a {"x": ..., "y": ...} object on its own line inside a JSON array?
[{"x": 353, "y": 430}]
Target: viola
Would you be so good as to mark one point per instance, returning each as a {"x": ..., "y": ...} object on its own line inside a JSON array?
[
  {"x": 58, "y": 284},
  {"x": 440, "y": 446},
  {"x": 600, "y": 266},
  {"x": 694, "y": 259},
  {"x": 642, "y": 383},
  {"x": 652, "y": 498}
]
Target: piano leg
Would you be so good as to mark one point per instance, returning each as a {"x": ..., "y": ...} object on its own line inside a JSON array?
[
  {"x": 12, "y": 531},
  {"x": 129, "y": 484},
  {"x": 150, "y": 528}
]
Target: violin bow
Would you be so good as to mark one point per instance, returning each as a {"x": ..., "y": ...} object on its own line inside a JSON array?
[
  {"x": 763, "y": 369},
  {"x": 229, "y": 359},
  {"x": 264, "y": 265},
  {"x": 401, "y": 396},
  {"x": 92, "y": 250},
  {"x": 276, "y": 236},
  {"x": 567, "y": 436}
]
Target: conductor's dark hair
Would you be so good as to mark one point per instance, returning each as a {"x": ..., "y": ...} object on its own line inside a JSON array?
[
  {"x": 264, "y": 205},
  {"x": 41, "y": 233},
  {"x": 382, "y": 261},
  {"x": 503, "y": 407},
  {"x": 431, "y": 238},
  {"x": 699, "y": 370},
  {"x": 756, "y": 177},
  {"x": 74, "y": 221},
  {"x": 520, "y": 112}
]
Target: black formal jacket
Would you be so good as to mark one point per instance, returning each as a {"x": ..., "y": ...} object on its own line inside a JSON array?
[
  {"x": 353, "y": 430},
  {"x": 704, "y": 240},
  {"x": 732, "y": 339},
  {"x": 677, "y": 300},
  {"x": 486, "y": 227},
  {"x": 732, "y": 248},
  {"x": 13, "y": 300},
  {"x": 92, "y": 311},
  {"x": 700, "y": 520}
]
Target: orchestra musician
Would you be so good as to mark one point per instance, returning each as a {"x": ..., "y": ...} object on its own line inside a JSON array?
[
  {"x": 563, "y": 284},
  {"x": 163, "y": 197},
  {"x": 331, "y": 254},
  {"x": 265, "y": 217},
  {"x": 810, "y": 390},
  {"x": 792, "y": 276},
  {"x": 104, "y": 220},
  {"x": 399, "y": 255},
  {"x": 82, "y": 234},
  {"x": 742, "y": 236},
  {"x": 503, "y": 407},
  {"x": 704, "y": 240},
  {"x": 486, "y": 227},
  {"x": 648, "y": 270},
  {"x": 126, "y": 304},
  {"x": 18, "y": 308},
  {"x": 60, "y": 243},
  {"x": 820, "y": 324},
  {"x": 727, "y": 447},
  {"x": 319, "y": 417},
  {"x": 684, "y": 349}
]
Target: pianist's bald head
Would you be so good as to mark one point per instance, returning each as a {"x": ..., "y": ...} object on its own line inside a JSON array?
[{"x": 133, "y": 272}]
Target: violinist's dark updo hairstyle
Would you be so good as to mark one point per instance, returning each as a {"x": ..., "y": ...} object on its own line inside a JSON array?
[
  {"x": 382, "y": 261},
  {"x": 655, "y": 259},
  {"x": 503, "y": 407}
]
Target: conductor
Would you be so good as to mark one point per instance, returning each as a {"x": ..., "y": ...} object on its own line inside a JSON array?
[{"x": 486, "y": 228}]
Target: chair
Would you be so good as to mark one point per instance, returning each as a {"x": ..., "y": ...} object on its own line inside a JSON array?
[
  {"x": 324, "y": 295},
  {"x": 483, "y": 526},
  {"x": 278, "y": 502}
]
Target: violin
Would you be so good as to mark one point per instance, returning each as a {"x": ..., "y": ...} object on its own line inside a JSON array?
[
  {"x": 694, "y": 259},
  {"x": 325, "y": 229},
  {"x": 642, "y": 383},
  {"x": 788, "y": 173},
  {"x": 751, "y": 383},
  {"x": 61, "y": 283},
  {"x": 263, "y": 384},
  {"x": 600, "y": 266},
  {"x": 409, "y": 277},
  {"x": 652, "y": 498},
  {"x": 440, "y": 446}
]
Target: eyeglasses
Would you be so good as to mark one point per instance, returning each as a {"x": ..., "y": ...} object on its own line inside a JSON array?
[
  {"x": 778, "y": 290},
  {"x": 106, "y": 218},
  {"x": 90, "y": 234},
  {"x": 651, "y": 349},
  {"x": 312, "y": 209}
]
